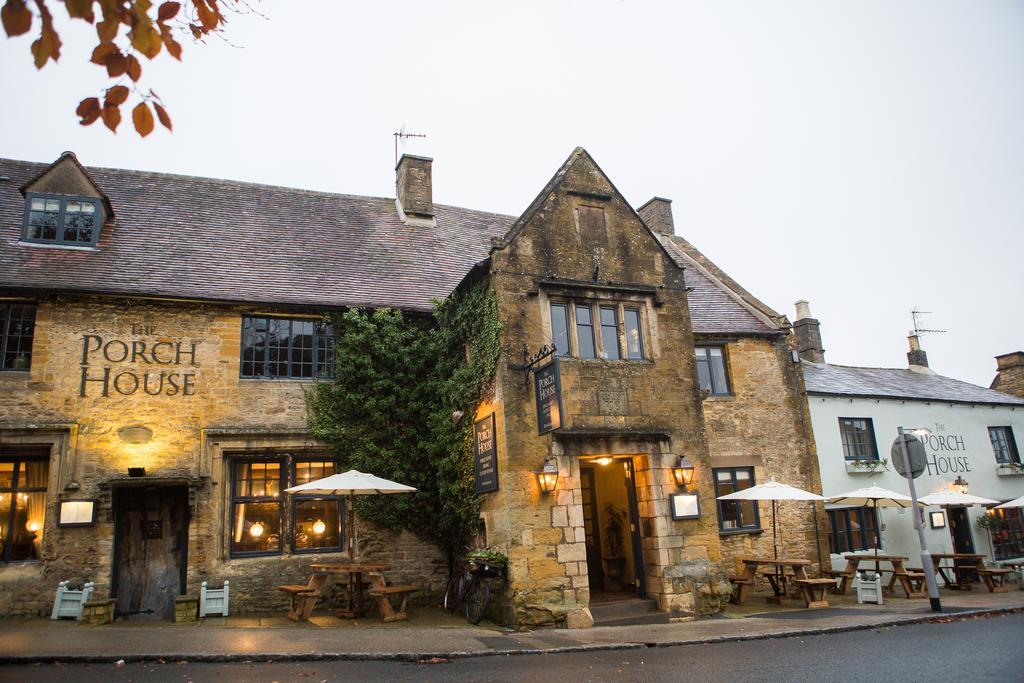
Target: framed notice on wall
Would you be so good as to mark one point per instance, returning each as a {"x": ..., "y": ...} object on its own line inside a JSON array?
[
  {"x": 485, "y": 455},
  {"x": 684, "y": 506},
  {"x": 547, "y": 383},
  {"x": 76, "y": 513}
]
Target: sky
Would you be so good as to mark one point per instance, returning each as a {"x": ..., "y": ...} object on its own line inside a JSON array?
[{"x": 867, "y": 156}]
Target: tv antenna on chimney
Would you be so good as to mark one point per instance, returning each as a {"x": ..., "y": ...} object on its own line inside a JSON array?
[
  {"x": 401, "y": 134},
  {"x": 916, "y": 314}
]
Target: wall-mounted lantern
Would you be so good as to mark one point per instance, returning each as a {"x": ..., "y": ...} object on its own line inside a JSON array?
[
  {"x": 547, "y": 476},
  {"x": 961, "y": 484},
  {"x": 683, "y": 472}
]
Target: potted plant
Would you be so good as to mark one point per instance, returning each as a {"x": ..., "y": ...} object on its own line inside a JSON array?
[
  {"x": 614, "y": 546},
  {"x": 871, "y": 466},
  {"x": 1009, "y": 469},
  {"x": 487, "y": 562}
]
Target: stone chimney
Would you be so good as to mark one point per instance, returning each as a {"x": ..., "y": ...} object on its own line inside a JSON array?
[
  {"x": 414, "y": 189},
  {"x": 916, "y": 357},
  {"x": 657, "y": 214},
  {"x": 1010, "y": 374},
  {"x": 808, "y": 334}
]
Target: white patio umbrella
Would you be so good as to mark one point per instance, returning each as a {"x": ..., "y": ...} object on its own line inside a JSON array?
[
  {"x": 774, "y": 491},
  {"x": 1015, "y": 503},
  {"x": 873, "y": 496},
  {"x": 351, "y": 483},
  {"x": 955, "y": 498}
]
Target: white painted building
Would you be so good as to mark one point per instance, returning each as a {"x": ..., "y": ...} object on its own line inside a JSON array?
[{"x": 855, "y": 413}]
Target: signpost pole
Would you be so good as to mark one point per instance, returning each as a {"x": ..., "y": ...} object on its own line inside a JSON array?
[{"x": 926, "y": 557}]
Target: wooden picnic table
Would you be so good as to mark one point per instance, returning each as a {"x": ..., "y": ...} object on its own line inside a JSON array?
[
  {"x": 912, "y": 582},
  {"x": 964, "y": 568},
  {"x": 776, "y": 578},
  {"x": 354, "y": 571}
]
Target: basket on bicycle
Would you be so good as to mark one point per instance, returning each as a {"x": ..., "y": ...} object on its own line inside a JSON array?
[{"x": 485, "y": 569}]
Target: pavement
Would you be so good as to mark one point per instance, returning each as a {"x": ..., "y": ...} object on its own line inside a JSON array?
[{"x": 429, "y": 634}]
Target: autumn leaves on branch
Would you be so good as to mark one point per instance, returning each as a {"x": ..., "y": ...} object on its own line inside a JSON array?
[{"x": 141, "y": 30}]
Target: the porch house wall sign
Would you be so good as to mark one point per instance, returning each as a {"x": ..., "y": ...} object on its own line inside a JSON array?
[{"x": 155, "y": 366}]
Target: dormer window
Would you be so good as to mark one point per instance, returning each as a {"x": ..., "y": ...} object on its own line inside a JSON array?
[{"x": 62, "y": 219}]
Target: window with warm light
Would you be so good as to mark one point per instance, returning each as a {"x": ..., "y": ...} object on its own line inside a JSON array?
[
  {"x": 22, "y": 507},
  {"x": 266, "y": 520},
  {"x": 605, "y": 330},
  {"x": 316, "y": 520}
]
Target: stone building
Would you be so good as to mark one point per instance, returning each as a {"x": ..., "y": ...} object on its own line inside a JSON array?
[{"x": 160, "y": 334}]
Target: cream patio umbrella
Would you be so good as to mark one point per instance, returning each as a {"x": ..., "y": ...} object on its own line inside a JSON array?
[
  {"x": 351, "y": 483},
  {"x": 954, "y": 498},
  {"x": 875, "y": 497},
  {"x": 1015, "y": 503},
  {"x": 774, "y": 491}
]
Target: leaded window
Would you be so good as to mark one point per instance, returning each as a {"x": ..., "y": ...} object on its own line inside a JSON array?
[
  {"x": 712, "y": 370},
  {"x": 287, "y": 348},
  {"x": 265, "y": 519},
  {"x": 736, "y": 515},
  {"x": 59, "y": 219},
  {"x": 858, "y": 437},
  {"x": 853, "y": 529},
  {"x": 610, "y": 331},
  {"x": 1008, "y": 533},
  {"x": 22, "y": 506},
  {"x": 17, "y": 327},
  {"x": 1004, "y": 447}
]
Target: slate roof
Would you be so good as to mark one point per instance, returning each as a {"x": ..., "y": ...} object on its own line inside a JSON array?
[
  {"x": 222, "y": 240},
  {"x": 189, "y": 237},
  {"x": 840, "y": 380},
  {"x": 713, "y": 308}
]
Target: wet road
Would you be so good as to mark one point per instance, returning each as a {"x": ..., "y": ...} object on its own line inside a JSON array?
[{"x": 975, "y": 650}]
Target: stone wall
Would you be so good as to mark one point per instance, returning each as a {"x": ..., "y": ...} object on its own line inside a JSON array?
[
  {"x": 195, "y": 424},
  {"x": 764, "y": 425}
]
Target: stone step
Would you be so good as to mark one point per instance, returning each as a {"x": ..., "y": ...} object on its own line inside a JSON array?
[{"x": 628, "y": 612}]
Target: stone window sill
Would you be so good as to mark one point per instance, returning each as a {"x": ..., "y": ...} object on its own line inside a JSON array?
[
  {"x": 15, "y": 375},
  {"x": 740, "y": 532},
  {"x": 1008, "y": 471}
]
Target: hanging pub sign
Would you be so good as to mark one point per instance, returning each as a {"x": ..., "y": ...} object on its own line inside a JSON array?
[
  {"x": 485, "y": 455},
  {"x": 547, "y": 383}
]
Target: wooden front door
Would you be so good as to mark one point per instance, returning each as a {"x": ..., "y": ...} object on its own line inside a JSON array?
[
  {"x": 960, "y": 530},
  {"x": 150, "y": 550}
]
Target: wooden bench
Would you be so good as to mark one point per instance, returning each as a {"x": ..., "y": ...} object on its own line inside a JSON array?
[
  {"x": 303, "y": 598},
  {"x": 384, "y": 594},
  {"x": 912, "y": 582},
  {"x": 845, "y": 577},
  {"x": 740, "y": 586},
  {"x": 813, "y": 591},
  {"x": 995, "y": 579}
]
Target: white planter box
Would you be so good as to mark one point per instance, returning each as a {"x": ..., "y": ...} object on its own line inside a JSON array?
[
  {"x": 1009, "y": 471},
  {"x": 68, "y": 603},
  {"x": 859, "y": 467},
  {"x": 868, "y": 591},
  {"x": 213, "y": 600}
]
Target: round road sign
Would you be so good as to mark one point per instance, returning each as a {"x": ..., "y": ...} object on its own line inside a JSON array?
[{"x": 917, "y": 456}]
